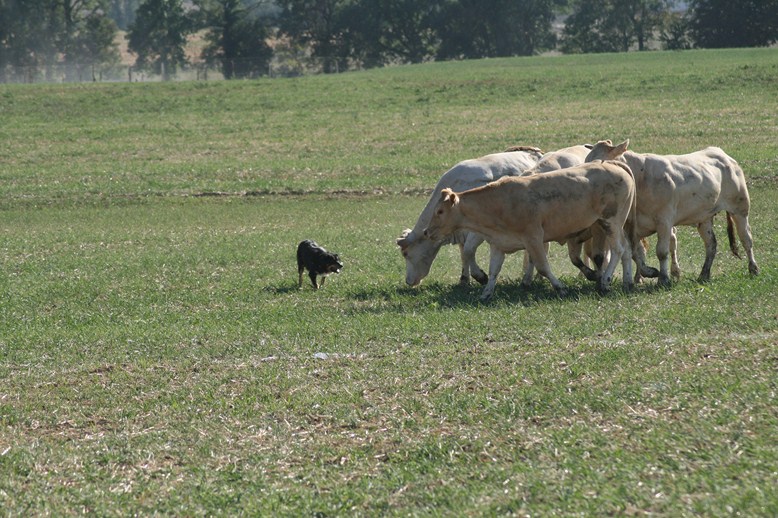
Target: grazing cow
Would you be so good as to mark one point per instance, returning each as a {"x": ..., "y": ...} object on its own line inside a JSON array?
[
  {"x": 685, "y": 190},
  {"x": 517, "y": 213},
  {"x": 419, "y": 251}
]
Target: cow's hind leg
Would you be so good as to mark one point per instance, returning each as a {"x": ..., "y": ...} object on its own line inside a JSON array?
[
  {"x": 628, "y": 282},
  {"x": 705, "y": 230},
  {"x": 615, "y": 238},
  {"x": 469, "y": 266},
  {"x": 675, "y": 268},
  {"x": 538, "y": 256},
  {"x": 744, "y": 232},
  {"x": 496, "y": 258}
]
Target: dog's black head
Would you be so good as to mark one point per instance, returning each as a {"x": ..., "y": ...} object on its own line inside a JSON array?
[{"x": 334, "y": 265}]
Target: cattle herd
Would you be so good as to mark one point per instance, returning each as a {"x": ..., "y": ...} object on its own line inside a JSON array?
[{"x": 602, "y": 198}]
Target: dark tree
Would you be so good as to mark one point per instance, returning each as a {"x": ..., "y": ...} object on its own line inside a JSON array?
[
  {"x": 158, "y": 36},
  {"x": 318, "y": 24},
  {"x": 378, "y": 32},
  {"x": 478, "y": 28},
  {"x": 95, "y": 44},
  {"x": 236, "y": 37},
  {"x": 675, "y": 33},
  {"x": 123, "y": 12},
  {"x": 613, "y": 25},
  {"x": 39, "y": 35},
  {"x": 720, "y": 23}
]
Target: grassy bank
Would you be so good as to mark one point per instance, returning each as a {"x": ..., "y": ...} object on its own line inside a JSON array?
[{"x": 156, "y": 355}]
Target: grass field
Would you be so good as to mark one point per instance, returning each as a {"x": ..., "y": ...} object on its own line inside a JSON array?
[{"x": 156, "y": 356}]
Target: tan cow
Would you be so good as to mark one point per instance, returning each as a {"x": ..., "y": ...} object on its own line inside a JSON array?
[
  {"x": 553, "y": 161},
  {"x": 419, "y": 252},
  {"x": 516, "y": 213},
  {"x": 685, "y": 190}
]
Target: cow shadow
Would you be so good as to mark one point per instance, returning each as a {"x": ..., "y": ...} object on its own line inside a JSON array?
[{"x": 538, "y": 292}]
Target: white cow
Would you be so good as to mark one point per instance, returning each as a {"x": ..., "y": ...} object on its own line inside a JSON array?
[
  {"x": 561, "y": 159},
  {"x": 419, "y": 251},
  {"x": 684, "y": 190}
]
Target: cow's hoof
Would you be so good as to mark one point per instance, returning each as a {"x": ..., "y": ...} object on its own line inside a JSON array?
[
  {"x": 464, "y": 280},
  {"x": 481, "y": 277},
  {"x": 664, "y": 282},
  {"x": 753, "y": 269}
]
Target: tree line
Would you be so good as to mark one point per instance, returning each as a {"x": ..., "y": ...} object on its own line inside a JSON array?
[{"x": 241, "y": 37}]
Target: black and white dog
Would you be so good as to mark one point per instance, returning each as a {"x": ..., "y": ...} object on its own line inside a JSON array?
[{"x": 317, "y": 261}]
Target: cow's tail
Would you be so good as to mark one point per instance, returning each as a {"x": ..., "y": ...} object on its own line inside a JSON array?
[
  {"x": 631, "y": 225},
  {"x": 731, "y": 235}
]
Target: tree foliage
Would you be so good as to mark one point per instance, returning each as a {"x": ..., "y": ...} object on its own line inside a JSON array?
[
  {"x": 236, "y": 37},
  {"x": 158, "y": 36},
  {"x": 723, "y": 23},
  {"x": 613, "y": 25},
  {"x": 37, "y": 36},
  {"x": 491, "y": 28}
]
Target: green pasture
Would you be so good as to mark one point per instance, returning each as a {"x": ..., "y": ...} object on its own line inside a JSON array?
[{"x": 156, "y": 356}]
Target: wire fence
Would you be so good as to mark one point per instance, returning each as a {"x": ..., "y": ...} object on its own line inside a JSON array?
[{"x": 235, "y": 69}]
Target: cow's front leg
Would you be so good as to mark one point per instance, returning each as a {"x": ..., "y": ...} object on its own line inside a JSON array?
[
  {"x": 537, "y": 254},
  {"x": 496, "y": 258},
  {"x": 705, "y": 230},
  {"x": 664, "y": 232},
  {"x": 467, "y": 255},
  {"x": 639, "y": 256},
  {"x": 529, "y": 271},
  {"x": 574, "y": 252}
]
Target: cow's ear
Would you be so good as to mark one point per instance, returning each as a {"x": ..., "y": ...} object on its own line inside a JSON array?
[
  {"x": 405, "y": 239},
  {"x": 448, "y": 196},
  {"x": 621, "y": 148}
]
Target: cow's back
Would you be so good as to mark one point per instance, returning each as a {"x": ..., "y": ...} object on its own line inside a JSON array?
[
  {"x": 476, "y": 172},
  {"x": 561, "y": 159},
  {"x": 689, "y": 188},
  {"x": 561, "y": 203}
]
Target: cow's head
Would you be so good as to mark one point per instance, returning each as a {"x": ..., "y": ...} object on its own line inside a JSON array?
[
  {"x": 418, "y": 252},
  {"x": 444, "y": 218},
  {"x": 605, "y": 150}
]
